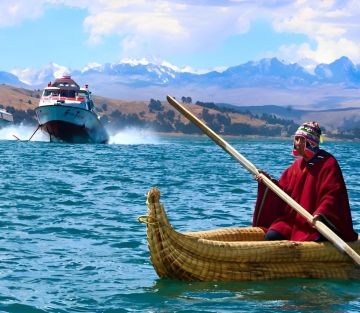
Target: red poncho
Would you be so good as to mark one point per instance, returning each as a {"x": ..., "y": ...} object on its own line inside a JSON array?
[{"x": 319, "y": 187}]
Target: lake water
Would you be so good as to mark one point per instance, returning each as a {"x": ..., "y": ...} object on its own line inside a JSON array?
[{"x": 70, "y": 240}]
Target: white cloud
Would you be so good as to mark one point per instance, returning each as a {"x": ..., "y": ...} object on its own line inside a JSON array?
[
  {"x": 148, "y": 28},
  {"x": 14, "y": 12},
  {"x": 332, "y": 26},
  {"x": 152, "y": 28}
]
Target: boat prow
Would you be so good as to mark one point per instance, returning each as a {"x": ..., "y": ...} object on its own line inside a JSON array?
[
  {"x": 237, "y": 253},
  {"x": 71, "y": 124}
]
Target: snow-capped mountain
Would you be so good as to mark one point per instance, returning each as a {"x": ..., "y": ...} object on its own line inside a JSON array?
[
  {"x": 39, "y": 77},
  {"x": 340, "y": 71},
  {"x": 10, "y": 79},
  {"x": 253, "y": 83},
  {"x": 138, "y": 73},
  {"x": 134, "y": 73}
]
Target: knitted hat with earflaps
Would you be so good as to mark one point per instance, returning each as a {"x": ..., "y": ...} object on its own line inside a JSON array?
[{"x": 310, "y": 131}]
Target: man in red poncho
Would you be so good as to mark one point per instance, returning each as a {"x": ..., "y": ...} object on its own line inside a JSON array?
[{"x": 316, "y": 182}]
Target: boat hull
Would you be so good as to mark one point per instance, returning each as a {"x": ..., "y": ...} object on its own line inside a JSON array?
[
  {"x": 5, "y": 123},
  {"x": 70, "y": 124},
  {"x": 237, "y": 253}
]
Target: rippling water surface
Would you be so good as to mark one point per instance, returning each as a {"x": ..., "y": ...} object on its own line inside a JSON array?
[{"x": 70, "y": 240}]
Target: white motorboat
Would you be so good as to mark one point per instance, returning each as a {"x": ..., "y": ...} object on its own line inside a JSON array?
[
  {"x": 6, "y": 118},
  {"x": 67, "y": 113}
]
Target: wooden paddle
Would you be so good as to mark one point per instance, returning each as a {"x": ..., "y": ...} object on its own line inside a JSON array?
[{"x": 340, "y": 244}]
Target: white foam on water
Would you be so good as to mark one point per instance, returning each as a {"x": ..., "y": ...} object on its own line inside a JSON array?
[
  {"x": 128, "y": 136},
  {"x": 22, "y": 132},
  {"x": 134, "y": 136}
]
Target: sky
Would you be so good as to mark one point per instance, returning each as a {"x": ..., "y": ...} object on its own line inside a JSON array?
[{"x": 198, "y": 35}]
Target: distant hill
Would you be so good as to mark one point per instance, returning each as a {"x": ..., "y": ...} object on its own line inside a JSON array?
[
  {"x": 223, "y": 118},
  {"x": 342, "y": 119}
]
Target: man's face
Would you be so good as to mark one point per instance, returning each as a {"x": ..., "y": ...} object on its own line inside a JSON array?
[{"x": 299, "y": 145}]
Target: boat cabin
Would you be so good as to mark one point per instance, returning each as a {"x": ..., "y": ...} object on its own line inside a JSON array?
[{"x": 65, "y": 91}]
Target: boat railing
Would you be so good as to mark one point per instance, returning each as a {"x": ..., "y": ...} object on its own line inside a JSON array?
[
  {"x": 56, "y": 98},
  {"x": 81, "y": 103}
]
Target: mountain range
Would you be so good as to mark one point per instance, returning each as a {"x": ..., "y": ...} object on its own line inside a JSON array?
[{"x": 265, "y": 82}]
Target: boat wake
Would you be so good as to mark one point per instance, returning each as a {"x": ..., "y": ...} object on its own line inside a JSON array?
[
  {"x": 129, "y": 136},
  {"x": 134, "y": 136},
  {"x": 21, "y": 132}
]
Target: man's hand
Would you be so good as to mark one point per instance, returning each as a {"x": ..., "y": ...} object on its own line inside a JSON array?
[{"x": 259, "y": 178}]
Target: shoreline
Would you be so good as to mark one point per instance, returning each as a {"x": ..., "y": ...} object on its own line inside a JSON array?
[{"x": 326, "y": 139}]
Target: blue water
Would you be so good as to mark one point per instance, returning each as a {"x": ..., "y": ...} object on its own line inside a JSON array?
[{"x": 70, "y": 240}]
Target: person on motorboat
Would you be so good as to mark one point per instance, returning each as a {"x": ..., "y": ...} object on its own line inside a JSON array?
[{"x": 315, "y": 181}]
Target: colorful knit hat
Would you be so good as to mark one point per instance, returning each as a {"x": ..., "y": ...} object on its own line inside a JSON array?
[{"x": 310, "y": 131}]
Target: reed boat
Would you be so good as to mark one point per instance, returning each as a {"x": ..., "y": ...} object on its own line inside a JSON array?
[
  {"x": 237, "y": 254},
  {"x": 67, "y": 113}
]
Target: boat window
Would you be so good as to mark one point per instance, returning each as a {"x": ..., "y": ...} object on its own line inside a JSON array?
[
  {"x": 82, "y": 94},
  {"x": 67, "y": 93},
  {"x": 53, "y": 93}
]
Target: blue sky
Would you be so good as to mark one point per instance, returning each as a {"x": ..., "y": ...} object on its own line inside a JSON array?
[{"x": 201, "y": 35}]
